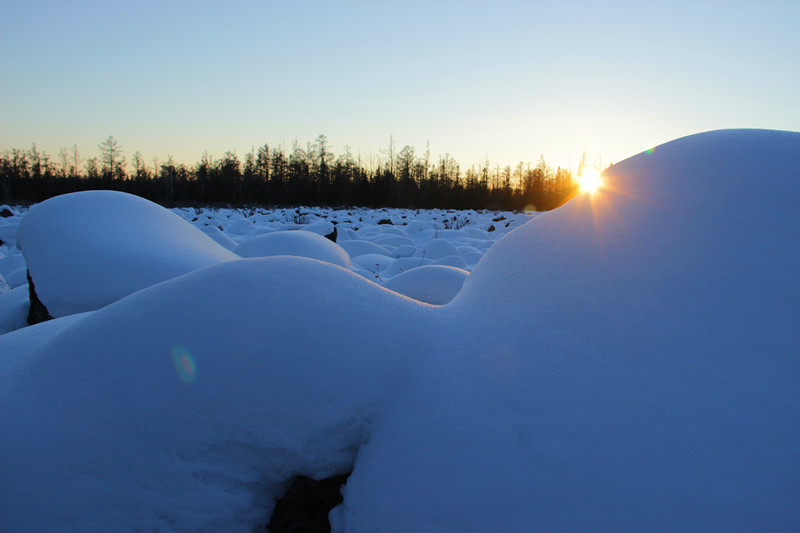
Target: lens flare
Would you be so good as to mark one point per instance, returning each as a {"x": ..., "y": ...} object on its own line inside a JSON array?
[
  {"x": 184, "y": 364},
  {"x": 590, "y": 181}
]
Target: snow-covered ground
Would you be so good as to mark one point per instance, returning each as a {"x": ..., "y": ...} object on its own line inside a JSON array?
[
  {"x": 87, "y": 250},
  {"x": 627, "y": 362}
]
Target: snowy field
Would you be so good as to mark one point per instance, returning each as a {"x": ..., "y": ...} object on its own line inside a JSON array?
[
  {"x": 627, "y": 362},
  {"x": 131, "y": 244}
]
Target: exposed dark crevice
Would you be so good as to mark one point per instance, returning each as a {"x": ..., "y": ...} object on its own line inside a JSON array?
[
  {"x": 305, "y": 506},
  {"x": 37, "y": 312}
]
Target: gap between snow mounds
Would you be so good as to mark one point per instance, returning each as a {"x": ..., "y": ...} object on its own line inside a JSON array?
[
  {"x": 37, "y": 311},
  {"x": 305, "y": 506}
]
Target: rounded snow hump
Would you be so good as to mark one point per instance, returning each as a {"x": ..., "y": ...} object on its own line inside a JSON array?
[
  {"x": 627, "y": 362},
  {"x": 87, "y": 249}
]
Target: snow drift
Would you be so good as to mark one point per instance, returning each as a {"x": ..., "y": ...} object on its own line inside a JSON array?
[
  {"x": 85, "y": 250},
  {"x": 626, "y": 362},
  {"x": 299, "y": 243},
  {"x": 187, "y": 405}
]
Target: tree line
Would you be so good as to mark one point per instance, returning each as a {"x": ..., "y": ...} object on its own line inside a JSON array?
[{"x": 305, "y": 175}]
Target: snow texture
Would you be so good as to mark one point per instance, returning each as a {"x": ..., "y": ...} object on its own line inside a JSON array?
[
  {"x": 627, "y": 362},
  {"x": 434, "y": 284},
  {"x": 300, "y": 243},
  {"x": 87, "y": 249}
]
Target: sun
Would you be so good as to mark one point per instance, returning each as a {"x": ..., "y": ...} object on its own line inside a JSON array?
[{"x": 589, "y": 181}]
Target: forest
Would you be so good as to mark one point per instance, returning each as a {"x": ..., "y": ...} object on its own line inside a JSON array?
[{"x": 305, "y": 175}]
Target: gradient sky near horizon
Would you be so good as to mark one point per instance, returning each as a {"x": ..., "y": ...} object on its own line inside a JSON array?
[{"x": 503, "y": 80}]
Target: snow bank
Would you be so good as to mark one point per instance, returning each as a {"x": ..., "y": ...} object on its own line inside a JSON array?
[
  {"x": 358, "y": 247},
  {"x": 85, "y": 250},
  {"x": 14, "y": 309},
  {"x": 628, "y": 362},
  {"x": 8, "y": 230},
  {"x": 168, "y": 411},
  {"x": 296, "y": 242},
  {"x": 436, "y": 249},
  {"x": 217, "y": 235},
  {"x": 433, "y": 284}
]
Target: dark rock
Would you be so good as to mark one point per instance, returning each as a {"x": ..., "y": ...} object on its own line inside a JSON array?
[
  {"x": 332, "y": 235},
  {"x": 385, "y": 221},
  {"x": 5, "y": 213},
  {"x": 491, "y": 228},
  {"x": 305, "y": 506},
  {"x": 498, "y": 219},
  {"x": 37, "y": 312}
]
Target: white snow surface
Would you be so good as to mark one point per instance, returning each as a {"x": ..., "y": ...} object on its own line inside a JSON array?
[
  {"x": 627, "y": 362},
  {"x": 356, "y": 248},
  {"x": 434, "y": 284},
  {"x": 14, "y": 309},
  {"x": 300, "y": 243},
  {"x": 87, "y": 249}
]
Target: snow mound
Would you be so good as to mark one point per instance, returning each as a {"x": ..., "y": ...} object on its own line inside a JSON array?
[
  {"x": 403, "y": 264},
  {"x": 85, "y": 250},
  {"x": 433, "y": 284},
  {"x": 11, "y": 263},
  {"x": 8, "y": 230},
  {"x": 17, "y": 278},
  {"x": 453, "y": 261},
  {"x": 197, "y": 424},
  {"x": 627, "y": 362},
  {"x": 358, "y": 247},
  {"x": 14, "y": 308},
  {"x": 436, "y": 249},
  {"x": 295, "y": 242},
  {"x": 217, "y": 235}
]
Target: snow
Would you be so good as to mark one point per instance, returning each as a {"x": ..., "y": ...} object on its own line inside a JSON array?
[
  {"x": 359, "y": 247},
  {"x": 375, "y": 263},
  {"x": 14, "y": 309},
  {"x": 627, "y": 362},
  {"x": 113, "y": 245},
  {"x": 433, "y": 284},
  {"x": 17, "y": 278},
  {"x": 298, "y": 242},
  {"x": 8, "y": 229},
  {"x": 10, "y": 264},
  {"x": 215, "y": 233},
  {"x": 436, "y": 249},
  {"x": 126, "y": 440}
]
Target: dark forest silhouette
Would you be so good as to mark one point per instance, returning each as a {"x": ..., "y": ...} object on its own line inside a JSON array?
[{"x": 309, "y": 175}]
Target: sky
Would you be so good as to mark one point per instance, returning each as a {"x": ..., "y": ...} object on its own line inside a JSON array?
[{"x": 504, "y": 80}]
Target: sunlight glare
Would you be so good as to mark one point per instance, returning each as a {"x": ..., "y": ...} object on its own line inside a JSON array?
[{"x": 590, "y": 181}]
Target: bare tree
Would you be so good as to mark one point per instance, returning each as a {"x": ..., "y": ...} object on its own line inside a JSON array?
[
  {"x": 110, "y": 156},
  {"x": 63, "y": 156},
  {"x": 390, "y": 153},
  {"x": 75, "y": 163}
]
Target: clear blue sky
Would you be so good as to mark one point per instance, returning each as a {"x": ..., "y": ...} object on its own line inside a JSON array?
[{"x": 507, "y": 80}]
